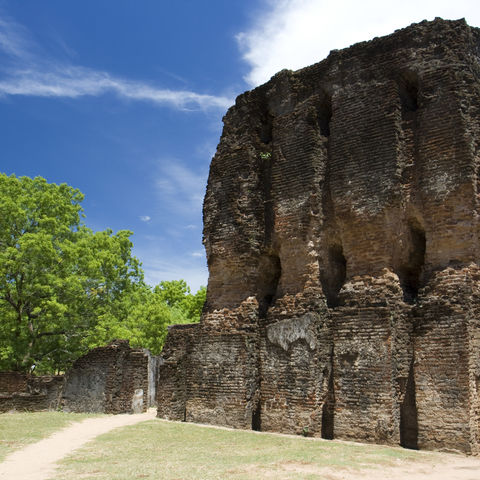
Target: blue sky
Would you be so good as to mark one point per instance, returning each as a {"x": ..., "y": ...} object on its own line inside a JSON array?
[{"x": 124, "y": 99}]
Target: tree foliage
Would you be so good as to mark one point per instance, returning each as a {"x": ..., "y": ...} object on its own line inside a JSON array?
[
  {"x": 65, "y": 288},
  {"x": 148, "y": 312}
]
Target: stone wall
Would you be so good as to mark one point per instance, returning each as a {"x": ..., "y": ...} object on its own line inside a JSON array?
[
  {"x": 111, "y": 379},
  {"x": 30, "y": 393},
  {"x": 341, "y": 230}
]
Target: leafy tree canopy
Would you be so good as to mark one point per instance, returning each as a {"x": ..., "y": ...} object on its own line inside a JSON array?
[{"x": 65, "y": 288}]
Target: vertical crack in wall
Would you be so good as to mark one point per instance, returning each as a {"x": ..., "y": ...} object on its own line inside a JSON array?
[
  {"x": 332, "y": 261},
  {"x": 334, "y": 268},
  {"x": 411, "y": 266},
  {"x": 408, "y": 414},
  {"x": 328, "y": 408},
  {"x": 257, "y": 417},
  {"x": 269, "y": 268},
  {"x": 267, "y": 283},
  {"x": 268, "y": 211}
]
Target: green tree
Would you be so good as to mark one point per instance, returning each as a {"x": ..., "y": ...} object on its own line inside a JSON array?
[
  {"x": 144, "y": 314},
  {"x": 172, "y": 292},
  {"x": 193, "y": 304},
  {"x": 58, "y": 279},
  {"x": 176, "y": 293}
]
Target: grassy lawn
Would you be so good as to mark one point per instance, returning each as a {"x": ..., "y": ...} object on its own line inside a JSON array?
[
  {"x": 19, "y": 429},
  {"x": 180, "y": 451}
]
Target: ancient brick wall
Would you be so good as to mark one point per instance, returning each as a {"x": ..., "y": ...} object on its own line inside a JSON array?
[
  {"x": 11, "y": 382},
  {"x": 171, "y": 387},
  {"x": 341, "y": 230},
  {"x": 111, "y": 379},
  {"x": 28, "y": 392}
]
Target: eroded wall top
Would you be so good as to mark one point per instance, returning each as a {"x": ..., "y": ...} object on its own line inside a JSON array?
[{"x": 363, "y": 164}]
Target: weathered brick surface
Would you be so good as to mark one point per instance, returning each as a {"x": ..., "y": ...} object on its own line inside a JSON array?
[
  {"x": 107, "y": 379},
  {"x": 28, "y": 392},
  {"x": 172, "y": 384},
  {"x": 341, "y": 230},
  {"x": 11, "y": 382}
]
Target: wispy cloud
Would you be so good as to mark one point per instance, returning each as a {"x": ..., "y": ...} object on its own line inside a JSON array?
[
  {"x": 180, "y": 187},
  {"x": 31, "y": 74},
  {"x": 296, "y": 33},
  {"x": 145, "y": 218},
  {"x": 193, "y": 271},
  {"x": 13, "y": 39}
]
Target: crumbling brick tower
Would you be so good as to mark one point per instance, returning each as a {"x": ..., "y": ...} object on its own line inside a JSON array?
[{"x": 342, "y": 236}]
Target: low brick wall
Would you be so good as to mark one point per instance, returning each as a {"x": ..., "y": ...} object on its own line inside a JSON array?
[
  {"x": 23, "y": 392},
  {"x": 111, "y": 379}
]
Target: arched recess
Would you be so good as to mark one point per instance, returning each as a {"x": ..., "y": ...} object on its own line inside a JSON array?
[
  {"x": 411, "y": 269},
  {"x": 269, "y": 272},
  {"x": 324, "y": 116},
  {"x": 333, "y": 274},
  {"x": 408, "y": 87}
]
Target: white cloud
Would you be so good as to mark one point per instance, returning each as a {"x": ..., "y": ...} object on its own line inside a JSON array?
[
  {"x": 73, "y": 82},
  {"x": 13, "y": 39},
  {"x": 37, "y": 75},
  {"x": 145, "y": 218},
  {"x": 193, "y": 273},
  {"x": 181, "y": 188},
  {"x": 296, "y": 33},
  {"x": 167, "y": 258}
]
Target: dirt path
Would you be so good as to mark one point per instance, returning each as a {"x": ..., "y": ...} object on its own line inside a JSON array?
[{"x": 37, "y": 461}]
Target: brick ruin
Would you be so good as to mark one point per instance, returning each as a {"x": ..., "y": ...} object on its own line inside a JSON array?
[
  {"x": 111, "y": 379},
  {"x": 23, "y": 392},
  {"x": 342, "y": 237}
]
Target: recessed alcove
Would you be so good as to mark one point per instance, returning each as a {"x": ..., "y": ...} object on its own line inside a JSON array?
[
  {"x": 410, "y": 272},
  {"x": 408, "y": 92},
  {"x": 333, "y": 274},
  {"x": 257, "y": 418},
  {"x": 269, "y": 272},
  {"x": 324, "y": 115},
  {"x": 266, "y": 129}
]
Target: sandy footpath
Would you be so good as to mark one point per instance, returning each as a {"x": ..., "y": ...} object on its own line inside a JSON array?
[{"x": 37, "y": 461}]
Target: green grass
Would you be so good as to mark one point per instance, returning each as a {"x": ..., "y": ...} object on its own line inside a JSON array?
[
  {"x": 172, "y": 451},
  {"x": 20, "y": 429}
]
